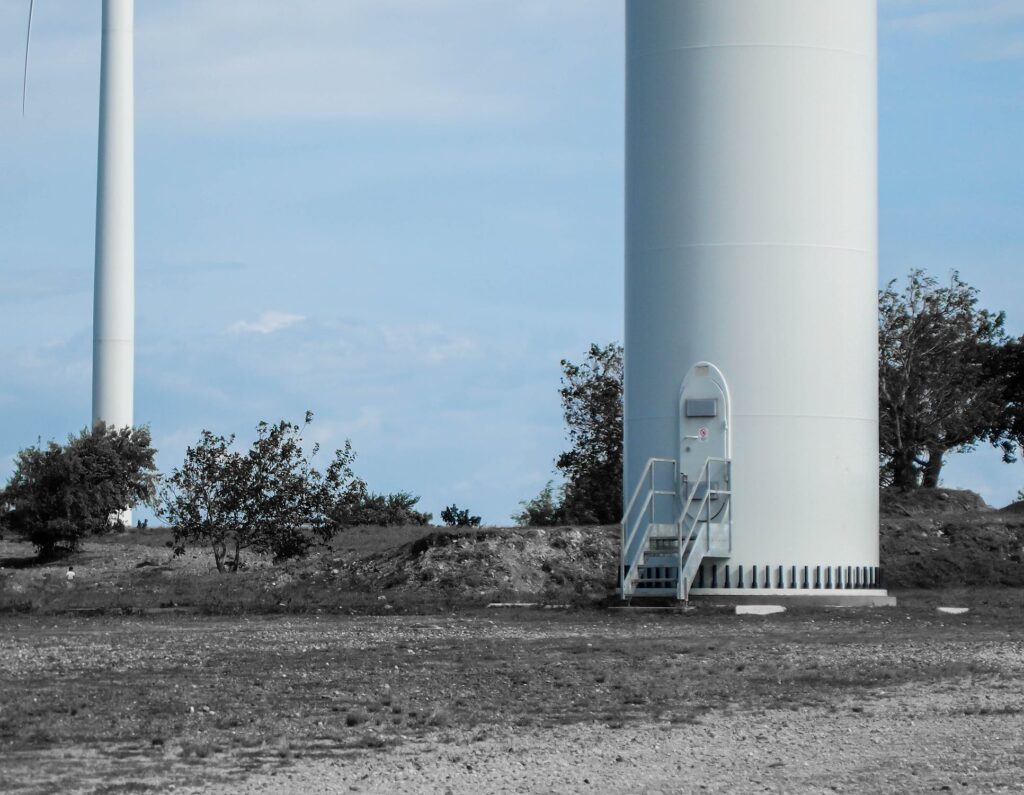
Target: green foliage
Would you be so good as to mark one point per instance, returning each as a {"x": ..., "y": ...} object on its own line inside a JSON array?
[
  {"x": 1007, "y": 363},
  {"x": 453, "y": 516},
  {"x": 59, "y": 494},
  {"x": 592, "y": 405},
  {"x": 270, "y": 499},
  {"x": 382, "y": 510},
  {"x": 544, "y": 510},
  {"x": 940, "y": 386}
]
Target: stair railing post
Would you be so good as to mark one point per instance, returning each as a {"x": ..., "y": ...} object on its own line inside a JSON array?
[
  {"x": 728, "y": 472},
  {"x": 622, "y": 558},
  {"x": 654, "y": 497}
]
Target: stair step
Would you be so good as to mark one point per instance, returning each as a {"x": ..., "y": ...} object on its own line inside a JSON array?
[
  {"x": 666, "y": 543},
  {"x": 661, "y": 562},
  {"x": 668, "y": 591},
  {"x": 658, "y": 541},
  {"x": 663, "y": 530},
  {"x": 649, "y": 581}
]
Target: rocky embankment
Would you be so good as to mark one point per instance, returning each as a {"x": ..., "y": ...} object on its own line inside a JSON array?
[
  {"x": 943, "y": 538},
  {"x": 935, "y": 539}
]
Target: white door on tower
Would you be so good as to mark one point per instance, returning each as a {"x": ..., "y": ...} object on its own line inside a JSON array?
[{"x": 704, "y": 447}]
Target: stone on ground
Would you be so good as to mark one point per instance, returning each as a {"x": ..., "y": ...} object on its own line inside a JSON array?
[{"x": 759, "y": 610}]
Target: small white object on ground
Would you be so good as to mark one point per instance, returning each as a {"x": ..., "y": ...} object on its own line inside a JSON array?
[
  {"x": 513, "y": 604},
  {"x": 954, "y": 611},
  {"x": 759, "y": 610}
]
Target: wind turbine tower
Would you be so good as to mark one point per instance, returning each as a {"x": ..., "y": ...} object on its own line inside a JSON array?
[
  {"x": 751, "y": 348},
  {"x": 114, "y": 292},
  {"x": 113, "y": 351}
]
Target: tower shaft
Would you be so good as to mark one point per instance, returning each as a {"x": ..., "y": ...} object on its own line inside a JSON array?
[
  {"x": 751, "y": 244},
  {"x": 114, "y": 292}
]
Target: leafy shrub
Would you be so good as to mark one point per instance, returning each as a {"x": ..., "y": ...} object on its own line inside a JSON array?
[
  {"x": 453, "y": 516},
  {"x": 592, "y": 406},
  {"x": 382, "y": 510},
  {"x": 544, "y": 510},
  {"x": 270, "y": 499},
  {"x": 946, "y": 372},
  {"x": 59, "y": 494}
]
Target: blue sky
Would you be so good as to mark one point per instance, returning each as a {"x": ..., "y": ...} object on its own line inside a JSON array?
[{"x": 401, "y": 214}]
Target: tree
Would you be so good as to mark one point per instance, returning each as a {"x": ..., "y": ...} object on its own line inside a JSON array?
[
  {"x": 382, "y": 510},
  {"x": 270, "y": 499},
  {"x": 939, "y": 387},
  {"x": 592, "y": 405},
  {"x": 453, "y": 516},
  {"x": 60, "y": 494},
  {"x": 1007, "y": 365},
  {"x": 544, "y": 510}
]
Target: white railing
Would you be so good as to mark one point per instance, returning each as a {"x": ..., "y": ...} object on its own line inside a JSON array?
[
  {"x": 636, "y": 531},
  {"x": 629, "y": 537},
  {"x": 686, "y": 569}
]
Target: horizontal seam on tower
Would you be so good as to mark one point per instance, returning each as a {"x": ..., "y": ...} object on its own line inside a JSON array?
[
  {"x": 649, "y": 53},
  {"x": 764, "y": 416},
  {"x": 752, "y": 245},
  {"x": 807, "y": 417}
]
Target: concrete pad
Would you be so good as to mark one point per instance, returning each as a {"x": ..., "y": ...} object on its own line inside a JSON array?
[
  {"x": 791, "y": 597},
  {"x": 954, "y": 611},
  {"x": 759, "y": 610}
]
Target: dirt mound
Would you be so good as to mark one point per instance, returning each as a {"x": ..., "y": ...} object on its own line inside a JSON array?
[
  {"x": 1014, "y": 508},
  {"x": 896, "y": 502},
  {"x": 936, "y": 538},
  {"x": 544, "y": 564}
]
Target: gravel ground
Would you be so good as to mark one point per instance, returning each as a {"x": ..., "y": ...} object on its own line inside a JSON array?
[
  {"x": 918, "y": 742},
  {"x": 857, "y": 700}
]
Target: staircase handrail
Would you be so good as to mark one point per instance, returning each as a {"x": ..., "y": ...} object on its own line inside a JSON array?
[
  {"x": 682, "y": 580},
  {"x": 629, "y": 538},
  {"x": 627, "y": 542},
  {"x": 640, "y": 483},
  {"x": 704, "y": 473}
]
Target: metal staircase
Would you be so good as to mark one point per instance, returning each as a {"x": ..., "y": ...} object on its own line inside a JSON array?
[{"x": 661, "y": 558}]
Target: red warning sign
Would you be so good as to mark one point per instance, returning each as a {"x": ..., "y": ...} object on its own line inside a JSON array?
[{"x": 702, "y": 433}]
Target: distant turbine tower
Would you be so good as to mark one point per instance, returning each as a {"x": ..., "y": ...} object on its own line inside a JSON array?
[
  {"x": 114, "y": 290},
  {"x": 113, "y": 349}
]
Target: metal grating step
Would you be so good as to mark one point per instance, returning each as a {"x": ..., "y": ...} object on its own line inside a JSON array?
[
  {"x": 649, "y": 577},
  {"x": 649, "y": 592},
  {"x": 663, "y": 530}
]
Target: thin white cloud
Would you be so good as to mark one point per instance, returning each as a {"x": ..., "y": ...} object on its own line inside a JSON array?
[
  {"x": 39, "y": 284},
  {"x": 936, "y": 18},
  {"x": 458, "y": 348},
  {"x": 63, "y": 365},
  {"x": 331, "y": 434},
  {"x": 1007, "y": 51},
  {"x": 267, "y": 323},
  {"x": 237, "y": 62},
  {"x": 427, "y": 342},
  {"x": 441, "y": 62}
]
